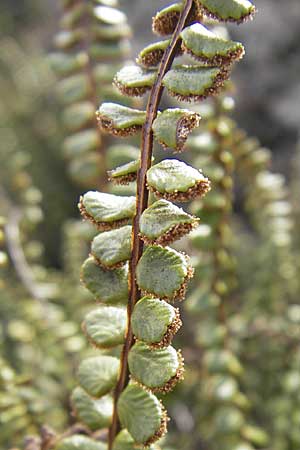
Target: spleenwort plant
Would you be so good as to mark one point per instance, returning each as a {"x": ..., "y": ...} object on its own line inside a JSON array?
[
  {"x": 92, "y": 42},
  {"x": 133, "y": 264}
]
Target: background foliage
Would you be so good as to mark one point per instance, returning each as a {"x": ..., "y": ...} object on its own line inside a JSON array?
[{"x": 40, "y": 336}]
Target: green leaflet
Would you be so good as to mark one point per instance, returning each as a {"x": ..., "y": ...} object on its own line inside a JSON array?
[
  {"x": 194, "y": 82},
  {"x": 228, "y": 419},
  {"x": 104, "y": 73},
  {"x": 106, "y": 326},
  {"x": 73, "y": 89},
  {"x": 81, "y": 143},
  {"x": 109, "y": 50},
  {"x": 120, "y": 120},
  {"x": 78, "y": 115},
  {"x": 112, "y": 32},
  {"x": 86, "y": 169},
  {"x": 228, "y": 10},
  {"x": 112, "y": 248},
  {"x": 174, "y": 180},
  {"x": 256, "y": 435},
  {"x": 72, "y": 16},
  {"x": 120, "y": 154},
  {"x": 154, "y": 321},
  {"x": 163, "y": 272},
  {"x": 108, "y": 286},
  {"x": 95, "y": 413},
  {"x": 151, "y": 55},
  {"x": 206, "y": 46},
  {"x": 79, "y": 442},
  {"x": 125, "y": 173},
  {"x": 134, "y": 80},
  {"x": 98, "y": 375},
  {"x": 172, "y": 127},
  {"x": 68, "y": 38},
  {"x": 163, "y": 222},
  {"x": 107, "y": 211},
  {"x": 222, "y": 361},
  {"x": 142, "y": 414},
  {"x": 203, "y": 143},
  {"x": 222, "y": 388},
  {"x": 166, "y": 19},
  {"x": 124, "y": 441},
  {"x": 156, "y": 369},
  {"x": 203, "y": 238},
  {"x": 109, "y": 16},
  {"x": 64, "y": 64}
]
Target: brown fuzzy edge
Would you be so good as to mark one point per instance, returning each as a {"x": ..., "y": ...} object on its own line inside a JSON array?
[
  {"x": 199, "y": 190},
  {"x": 170, "y": 385},
  {"x": 217, "y": 85},
  {"x": 184, "y": 127},
  {"x": 162, "y": 429},
  {"x": 107, "y": 125},
  {"x": 123, "y": 179},
  {"x": 173, "y": 234},
  {"x": 172, "y": 329},
  {"x": 165, "y": 24},
  {"x": 101, "y": 226},
  {"x": 105, "y": 267},
  {"x": 217, "y": 60},
  {"x": 178, "y": 295},
  {"x": 203, "y": 10},
  {"x": 131, "y": 91},
  {"x": 153, "y": 59}
]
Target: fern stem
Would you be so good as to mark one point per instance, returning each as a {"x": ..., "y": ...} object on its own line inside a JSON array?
[{"x": 142, "y": 202}]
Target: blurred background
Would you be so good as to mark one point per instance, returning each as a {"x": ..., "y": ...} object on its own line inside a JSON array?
[{"x": 42, "y": 245}]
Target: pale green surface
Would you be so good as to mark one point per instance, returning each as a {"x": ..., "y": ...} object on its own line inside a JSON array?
[
  {"x": 161, "y": 271},
  {"x": 109, "y": 16},
  {"x": 173, "y": 7},
  {"x": 95, "y": 413},
  {"x": 112, "y": 32},
  {"x": 152, "y": 367},
  {"x": 166, "y": 127},
  {"x": 98, "y": 375},
  {"x": 126, "y": 169},
  {"x": 122, "y": 117},
  {"x": 228, "y": 9},
  {"x": 80, "y": 143},
  {"x": 204, "y": 143},
  {"x": 108, "y": 286},
  {"x": 140, "y": 412},
  {"x": 190, "y": 80},
  {"x": 78, "y": 115},
  {"x": 151, "y": 318},
  {"x": 204, "y": 43},
  {"x": 67, "y": 38},
  {"x": 112, "y": 247},
  {"x": 171, "y": 175},
  {"x": 108, "y": 207},
  {"x": 160, "y": 217},
  {"x": 106, "y": 326},
  {"x": 80, "y": 442},
  {"x": 135, "y": 76}
]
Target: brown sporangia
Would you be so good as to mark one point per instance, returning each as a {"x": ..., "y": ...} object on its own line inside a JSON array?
[
  {"x": 107, "y": 125},
  {"x": 173, "y": 234},
  {"x": 200, "y": 189},
  {"x": 123, "y": 179},
  {"x": 154, "y": 57},
  {"x": 101, "y": 226},
  {"x": 136, "y": 91},
  {"x": 162, "y": 429},
  {"x": 217, "y": 60},
  {"x": 218, "y": 84},
  {"x": 172, "y": 329},
  {"x": 205, "y": 12},
  {"x": 184, "y": 127}
]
